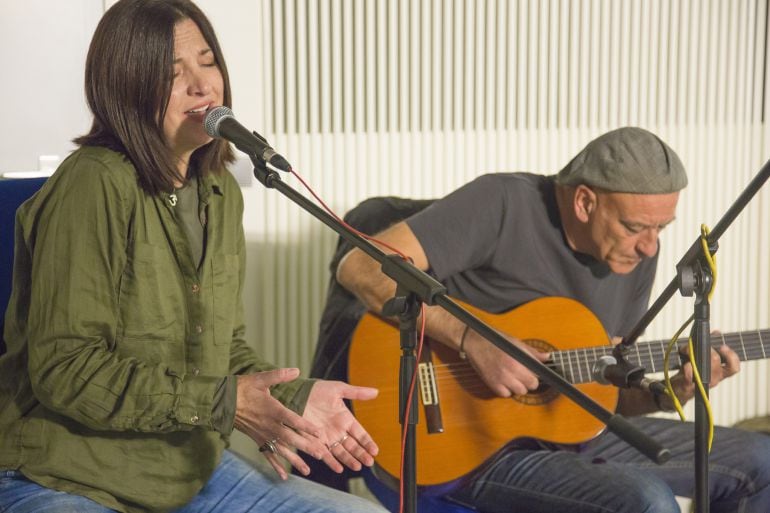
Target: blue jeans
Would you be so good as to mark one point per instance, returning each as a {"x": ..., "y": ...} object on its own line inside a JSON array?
[
  {"x": 235, "y": 487},
  {"x": 609, "y": 476}
]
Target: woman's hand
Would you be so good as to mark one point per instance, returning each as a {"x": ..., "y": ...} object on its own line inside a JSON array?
[
  {"x": 347, "y": 442},
  {"x": 276, "y": 428}
]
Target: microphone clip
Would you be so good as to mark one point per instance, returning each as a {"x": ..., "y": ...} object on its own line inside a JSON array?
[{"x": 616, "y": 370}]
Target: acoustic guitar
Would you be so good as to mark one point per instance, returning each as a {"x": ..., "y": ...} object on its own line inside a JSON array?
[{"x": 462, "y": 424}]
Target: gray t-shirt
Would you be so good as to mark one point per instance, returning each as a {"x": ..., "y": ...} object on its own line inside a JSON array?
[{"x": 497, "y": 243}]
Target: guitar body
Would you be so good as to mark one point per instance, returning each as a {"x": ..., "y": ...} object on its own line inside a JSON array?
[{"x": 476, "y": 424}]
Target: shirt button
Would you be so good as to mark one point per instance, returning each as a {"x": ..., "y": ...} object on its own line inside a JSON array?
[
  {"x": 194, "y": 419},
  {"x": 196, "y": 371},
  {"x": 198, "y": 329},
  {"x": 195, "y": 288}
]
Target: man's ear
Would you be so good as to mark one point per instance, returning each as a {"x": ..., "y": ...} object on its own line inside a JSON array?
[{"x": 584, "y": 203}]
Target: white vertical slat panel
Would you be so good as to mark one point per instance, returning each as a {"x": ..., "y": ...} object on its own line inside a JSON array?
[
  {"x": 511, "y": 64},
  {"x": 614, "y": 70},
  {"x": 679, "y": 67},
  {"x": 689, "y": 52},
  {"x": 302, "y": 110},
  {"x": 349, "y": 72},
  {"x": 640, "y": 86},
  {"x": 501, "y": 86},
  {"x": 551, "y": 87},
  {"x": 660, "y": 62},
  {"x": 625, "y": 63},
  {"x": 311, "y": 116},
  {"x": 378, "y": 26},
  {"x": 324, "y": 57},
  {"x": 291, "y": 43},
  {"x": 429, "y": 64},
  {"x": 718, "y": 70},
  {"x": 635, "y": 49},
  {"x": 367, "y": 61},
  {"x": 337, "y": 78},
  {"x": 603, "y": 57},
  {"x": 382, "y": 97},
  {"x": 454, "y": 58},
  {"x": 520, "y": 75},
  {"x": 726, "y": 97},
  {"x": 439, "y": 92},
  {"x": 582, "y": 18},
  {"x": 594, "y": 73},
  {"x": 415, "y": 70},
  {"x": 573, "y": 12},
  {"x": 488, "y": 77},
  {"x": 358, "y": 62},
  {"x": 392, "y": 41},
  {"x": 467, "y": 16},
  {"x": 562, "y": 70},
  {"x": 532, "y": 48},
  {"x": 403, "y": 56},
  {"x": 539, "y": 63}
]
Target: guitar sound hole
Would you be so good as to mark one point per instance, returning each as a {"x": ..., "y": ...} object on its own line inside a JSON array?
[{"x": 543, "y": 393}]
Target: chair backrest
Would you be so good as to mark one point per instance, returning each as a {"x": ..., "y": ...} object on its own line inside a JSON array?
[
  {"x": 343, "y": 311},
  {"x": 13, "y": 192}
]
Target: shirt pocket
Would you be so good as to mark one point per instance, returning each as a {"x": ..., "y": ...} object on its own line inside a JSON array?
[
  {"x": 151, "y": 303},
  {"x": 226, "y": 301}
]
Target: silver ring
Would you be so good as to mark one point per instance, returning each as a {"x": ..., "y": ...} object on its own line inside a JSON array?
[
  {"x": 270, "y": 445},
  {"x": 338, "y": 442}
]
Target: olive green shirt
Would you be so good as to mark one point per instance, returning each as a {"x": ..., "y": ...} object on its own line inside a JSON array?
[{"x": 118, "y": 342}]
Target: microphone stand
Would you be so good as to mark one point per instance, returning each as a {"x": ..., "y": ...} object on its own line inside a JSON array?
[
  {"x": 693, "y": 277},
  {"x": 415, "y": 287}
]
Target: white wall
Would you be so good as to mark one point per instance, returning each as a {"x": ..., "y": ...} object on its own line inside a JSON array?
[{"x": 43, "y": 45}]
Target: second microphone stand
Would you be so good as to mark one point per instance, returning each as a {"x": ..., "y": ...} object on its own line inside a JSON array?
[{"x": 693, "y": 277}]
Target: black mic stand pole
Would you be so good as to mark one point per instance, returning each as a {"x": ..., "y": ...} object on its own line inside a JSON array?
[
  {"x": 406, "y": 306},
  {"x": 415, "y": 286},
  {"x": 693, "y": 276}
]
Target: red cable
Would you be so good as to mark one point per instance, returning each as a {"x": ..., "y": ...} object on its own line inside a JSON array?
[
  {"x": 335, "y": 216},
  {"x": 408, "y": 407}
]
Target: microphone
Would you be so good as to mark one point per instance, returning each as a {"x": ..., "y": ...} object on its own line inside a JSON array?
[
  {"x": 606, "y": 371},
  {"x": 600, "y": 367},
  {"x": 220, "y": 123}
]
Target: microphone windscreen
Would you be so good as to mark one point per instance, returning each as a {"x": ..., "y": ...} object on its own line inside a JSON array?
[{"x": 214, "y": 117}]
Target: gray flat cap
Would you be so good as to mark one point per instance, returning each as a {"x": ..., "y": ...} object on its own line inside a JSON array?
[{"x": 628, "y": 159}]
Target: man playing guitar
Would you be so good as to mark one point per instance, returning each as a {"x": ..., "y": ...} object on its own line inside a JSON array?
[{"x": 589, "y": 233}]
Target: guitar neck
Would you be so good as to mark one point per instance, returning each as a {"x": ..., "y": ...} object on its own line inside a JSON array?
[{"x": 576, "y": 365}]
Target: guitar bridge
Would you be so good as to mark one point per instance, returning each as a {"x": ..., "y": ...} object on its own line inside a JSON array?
[
  {"x": 428, "y": 384},
  {"x": 429, "y": 391}
]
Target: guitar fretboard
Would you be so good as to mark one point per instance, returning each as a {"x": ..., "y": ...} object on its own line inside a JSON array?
[{"x": 577, "y": 365}]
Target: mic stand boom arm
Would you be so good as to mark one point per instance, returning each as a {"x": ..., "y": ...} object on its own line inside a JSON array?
[
  {"x": 414, "y": 286},
  {"x": 693, "y": 276}
]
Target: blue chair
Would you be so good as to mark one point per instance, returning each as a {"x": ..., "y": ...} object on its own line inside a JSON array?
[{"x": 13, "y": 192}]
